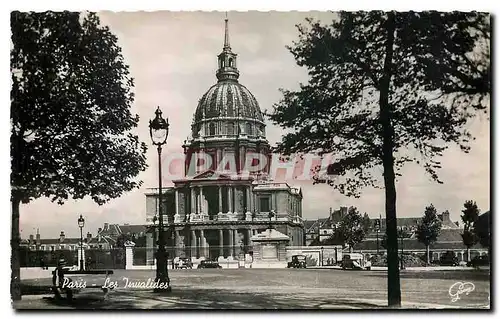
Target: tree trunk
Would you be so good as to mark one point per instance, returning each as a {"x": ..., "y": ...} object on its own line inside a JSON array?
[
  {"x": 393, "y": 281},
  {"x": 428, "y": 252},
  {"x": 15, "y": 277}
]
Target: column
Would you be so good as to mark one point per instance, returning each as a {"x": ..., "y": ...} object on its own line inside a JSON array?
[
  {"x": 193, "y": 244},
  {"x": 178, "y": 245},
  {"x": 176, "y": 201},
  {"x": 231, "y": 243},
  {"x": 235, "y": 242},
  {"x": 221, "y": 243},
  {"x": 249, "y": 240},
  {"x": 203, "y": 244},
  {"x": 249, "y": 206},
  {"x": 230, "y": 199},
  {"x": 193, "y": 201},
  {"x": 202, "y": 202},
  {"x": 220, "y": 198}
]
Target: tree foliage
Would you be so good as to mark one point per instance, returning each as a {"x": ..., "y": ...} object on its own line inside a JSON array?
[
  {"x": 429, "y": 227},
  {"x": 71, "y": 125},
  {"x": 71, "y": 133},
  {"x": 350, "y": 231},
  {"x": 385, "y": 89},
  {"x": 440, "y": 73},
  {"x": 367, "y": 223},
  {"x": 482, "y": 228},
  {"x": 470, "y": 215}
]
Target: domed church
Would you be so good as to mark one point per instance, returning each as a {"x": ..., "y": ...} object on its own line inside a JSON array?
[{"x": 213, "y": 211}]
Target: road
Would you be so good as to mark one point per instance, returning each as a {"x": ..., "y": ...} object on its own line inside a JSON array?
[{"x": 276, "y": 289}]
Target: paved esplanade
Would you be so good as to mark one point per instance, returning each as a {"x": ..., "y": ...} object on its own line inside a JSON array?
[{"x": 279, "y": 289}]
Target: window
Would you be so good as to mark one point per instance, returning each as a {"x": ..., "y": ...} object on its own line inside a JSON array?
[
  {"x": 264, "y": 204},
  {"x": 52, "y": 248},
  {"x": 230, "y": 62},
  {"x": 249, "y": 129},
  {"x": 230, "y": 128},
  {"x": 211, "y": 129}
]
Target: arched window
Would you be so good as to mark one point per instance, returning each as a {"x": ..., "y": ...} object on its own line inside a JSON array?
[
  {"x": 211, "y": 129},
  {"x": 230, "y": 62}
]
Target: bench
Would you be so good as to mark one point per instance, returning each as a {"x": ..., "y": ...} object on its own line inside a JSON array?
[{"x": 69, "y": 291}]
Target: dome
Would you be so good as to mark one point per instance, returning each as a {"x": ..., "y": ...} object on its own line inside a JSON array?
[
  {"x": 228, "y": 99},
  {"x": 228, "y": 109}
]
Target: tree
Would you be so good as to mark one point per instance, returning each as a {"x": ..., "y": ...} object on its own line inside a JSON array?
[
  {"x": 428, "y": 229},
  {"x": 71, "y": 126},
  {"x": 385, "y": 89},
  {"x": 482, "y": 229},
  {"x": 383, "y": 242},
  {"x": 350, "y": 231},
  {"x": 367, "y": 223},
  {"x": 470, "y": 214}
]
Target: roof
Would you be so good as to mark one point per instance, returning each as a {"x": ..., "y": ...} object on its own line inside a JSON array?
[
  {"x": 55, "y": 241},
  {"x": 227, "y": 99},
  {"x": 132, "y": 229}
]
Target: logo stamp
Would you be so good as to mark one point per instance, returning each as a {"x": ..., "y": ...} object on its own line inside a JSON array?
[{"x": 460, "y": 288}]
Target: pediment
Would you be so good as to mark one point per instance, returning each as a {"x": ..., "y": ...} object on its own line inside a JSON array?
[{"x": 211, "y": 174}]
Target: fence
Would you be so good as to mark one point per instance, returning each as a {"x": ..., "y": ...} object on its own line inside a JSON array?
[
  {"x": 42, "y": 258},
  {"x": 105, "y": 258},
  {"x": 94, "y": 258},
  {"x": 145, "y": 256}
]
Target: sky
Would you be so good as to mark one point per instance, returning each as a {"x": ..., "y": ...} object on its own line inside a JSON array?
[{"x": 172, "y": 57}]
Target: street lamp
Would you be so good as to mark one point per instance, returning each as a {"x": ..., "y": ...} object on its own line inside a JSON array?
[
  {"x": 81, "y": 223},
  {"x": 158, "y": 130},
  {"x": 377, "y": 228},
  {"x": 322, "y": 256},
  {"x": 402, "y": 235}
]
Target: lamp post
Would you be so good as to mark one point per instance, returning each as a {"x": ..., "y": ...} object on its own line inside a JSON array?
[
  {"x": 322, "y": 256},
  {"x": 155, "y": 241},
  {"x": 81, "y": 223},
  {"x": 377, "y": 229},
  {"x": 158, "y": 130},
  {"x": 402, "y": 235}
]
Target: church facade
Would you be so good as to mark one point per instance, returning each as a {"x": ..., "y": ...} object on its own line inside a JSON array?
[{"x": 215, "y": 209}]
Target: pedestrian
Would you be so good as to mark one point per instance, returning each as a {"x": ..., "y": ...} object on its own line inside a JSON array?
[{"x": 58, "y": 281}]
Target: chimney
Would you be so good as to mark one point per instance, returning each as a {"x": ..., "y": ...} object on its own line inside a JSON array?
[
  {"x": 331, "y": 214},
  {"x": 99, "y": 230},
  {"x": 32, "y": 238},
  {"x": 89, "y": 236},
  {"x": 62, "y": 236},
  {"x": 38, "y": 235},
  {"x": 106, "y": 226}
]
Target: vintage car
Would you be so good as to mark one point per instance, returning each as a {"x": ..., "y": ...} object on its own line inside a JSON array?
[
  {"x": 356, "y": 261},
  {"x": 298, "y": 261},
  {"x": 479, "y": 261},
  {"x": 184, "y": 263},
  {"x": 448, "y": 259},
  {"x": 208, "y": 264}
]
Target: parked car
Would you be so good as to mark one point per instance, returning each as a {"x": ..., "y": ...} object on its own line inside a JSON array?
[
  {"x": 356, "y": 261},
  {"x": 479, "y": 261},
  {"x": 209, "y": 264},
  {"x": 449, "y": 259},
  {"x": 298, "y": 261},
  {"x": 184, "y": 263}
]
